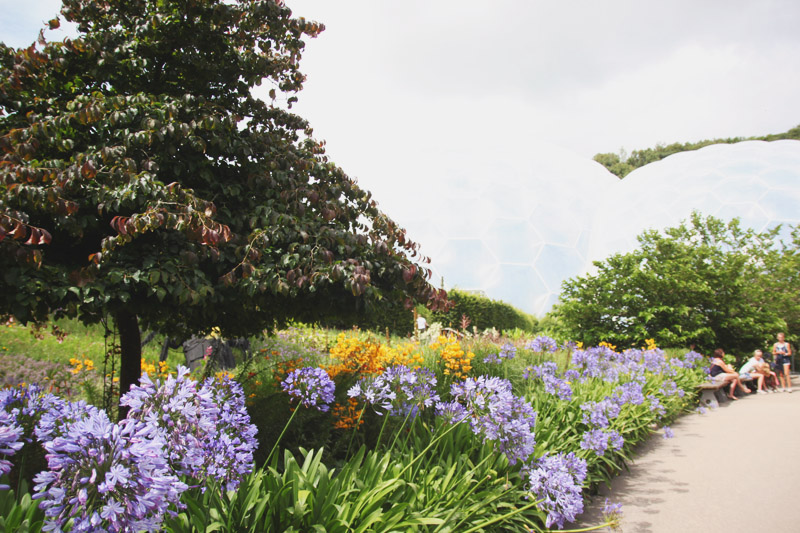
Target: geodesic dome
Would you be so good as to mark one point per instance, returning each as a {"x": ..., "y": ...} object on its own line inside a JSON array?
[
  {"x": 517, "y": 230},
  {"x": 756, "y": 181},
  {"x": 513, "y": 231}
]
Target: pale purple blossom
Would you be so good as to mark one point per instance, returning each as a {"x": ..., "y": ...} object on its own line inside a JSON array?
[
  {"x": 312, "y": 386},
  {"x": 557, "y": 480},
  {"x": 10, "y": 442},
  {"x": 107, "y": 477},
  {"x": 400, "y": 390},
  {"x": 599, "y": 440},
  {"x": 508, "y": 351},
  {"x": 498, "y": 415},
  {"x": 542, "y": 343},
  {"x": 668, "y": 433}
]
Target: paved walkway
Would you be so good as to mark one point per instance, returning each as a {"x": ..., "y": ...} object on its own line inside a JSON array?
[{"x": 734, "y": 469}]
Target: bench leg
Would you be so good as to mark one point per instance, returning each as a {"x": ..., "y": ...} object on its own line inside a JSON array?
[{"x": 708, "y": 398}]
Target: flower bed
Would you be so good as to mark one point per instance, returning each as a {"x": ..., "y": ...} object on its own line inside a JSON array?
[{"x": 456, "y": 436}]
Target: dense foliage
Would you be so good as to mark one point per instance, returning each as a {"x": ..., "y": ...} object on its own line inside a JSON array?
[
  {"x": 622, "y": 165},
  {"x": 140, "y": 179},
  {"x": 706, "y": 282},
  {"x": 483, "y": 313}
]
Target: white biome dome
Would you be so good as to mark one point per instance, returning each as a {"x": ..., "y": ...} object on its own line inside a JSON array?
[
  {"x": 756, "y": 181},
  {"x": 512, "y": 231},
  {"x": 515, "y": 230}
]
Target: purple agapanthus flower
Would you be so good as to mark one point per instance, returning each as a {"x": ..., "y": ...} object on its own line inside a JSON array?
[
  {"x": 312, "y": 386},
  {"x": 498, "y": 415},
  {"x": 107, "y": 477},
  {"x": 693, "y": 359},
  {"x": 27, "y": 404},
  {"x": 599, "y": 414},
  {"x": 547, "y": 373},
  {"x": 599, "y": 440},
  {"x": 656, "y": 407},
  {"x": 557, "y": 480},
  {"x": 508, "y": 351},
  {"x": 230, "y": 445},
  {"x": 55, "y": 421},
  {"x": 542, "y": 343},
  {"x": 399, "y": 391},
  {"x": 10, "y": 442},
  {"x": 206, "y": 429},
  {"x": 668, "y": 433},
  {"x": 629, "y": 393}
]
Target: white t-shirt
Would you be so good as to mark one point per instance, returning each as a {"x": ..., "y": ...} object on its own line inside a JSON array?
[
  {"x": 750, "y": 366},
  {"x": 421, "y": 323}
]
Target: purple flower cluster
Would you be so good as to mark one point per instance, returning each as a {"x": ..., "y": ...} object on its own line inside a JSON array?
[
  {"x": 542, "y": 344},
  {"x": 597, "y": 362},
  {"x": 630, "y": 392},
  {"x": 557, "y": 480},
  {"x": 656, "y": 407},
  {"x": 497, "y": 414},
  {"x": 312, "y": 386},
  {"x": 599, "y": 414},
  {"x": 107, "y": 477},
  {"x": 670, "y": 388},
  {"x": 56, "y": 420},
  {"x": 27, "y": 405},
  {"x": 206, "y": 430},
  {"x": 10, "y": 442},
  {"x": 400, "y": 390},
  {"x": 599, "y": 440},
  {"x": 693, "y": 359},
  {"x": 668, "y": 433},
  {"x": 547, "y": 373},
  {"x": 508, "y": 351},
  {"x": 230, "y": 445}
]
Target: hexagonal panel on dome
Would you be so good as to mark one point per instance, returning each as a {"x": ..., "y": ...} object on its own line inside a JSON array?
[
  {"x": 513, "y": 241},
  {"x": 558, "y": 223},
  {"x": 739, "y": 189},
  {"x": 519, "y": 285},
  {"x": 467, "y": 263},
  {"x": 556, "y": 263},
  {"x": 780, "y": 205}
]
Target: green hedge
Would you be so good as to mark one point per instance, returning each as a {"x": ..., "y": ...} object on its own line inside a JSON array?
[{"x": 483, "y": 313}]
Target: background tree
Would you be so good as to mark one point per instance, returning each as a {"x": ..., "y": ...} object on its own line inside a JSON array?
[
  {"x": 140, "y": 179},
  {"x": 700, "y": 282},
  {"x": 622, "y": 166}
]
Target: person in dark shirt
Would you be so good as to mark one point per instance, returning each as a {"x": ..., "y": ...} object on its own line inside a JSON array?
[{"x": 721, "y": 372}]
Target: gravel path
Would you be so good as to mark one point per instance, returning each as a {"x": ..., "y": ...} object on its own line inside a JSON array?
[{"x": 734, "y": 469}]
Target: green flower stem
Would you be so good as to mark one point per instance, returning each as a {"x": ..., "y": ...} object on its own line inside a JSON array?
[
  {"x": 428, "y": 447},
  {"x": 581, "y": 530},
  {"x": 502, "y": 517},
  {"x": 355, "y": 429},
  {"x": 400, "y": 430},
  {"x": 274, "y": 446}
]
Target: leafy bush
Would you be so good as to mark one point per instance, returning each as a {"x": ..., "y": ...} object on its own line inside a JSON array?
[{"x": 483, "y": 313}]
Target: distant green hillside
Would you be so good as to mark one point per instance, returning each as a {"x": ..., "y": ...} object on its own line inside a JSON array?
[{"x": 621, "y": 166}]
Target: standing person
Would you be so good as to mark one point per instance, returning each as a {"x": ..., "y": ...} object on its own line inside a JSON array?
[
  {"x": 752, "y": 370},
  {"x": 722, "y": 372},
  {"x": 782, "y": 351}
]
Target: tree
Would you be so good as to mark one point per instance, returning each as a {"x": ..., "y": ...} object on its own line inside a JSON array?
[
  {"x": 141, "y": 179},
  {"x": 692, "y": 284}
]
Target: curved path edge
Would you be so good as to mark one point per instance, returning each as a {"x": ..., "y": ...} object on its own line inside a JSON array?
[{"x": 733, "y": 469}]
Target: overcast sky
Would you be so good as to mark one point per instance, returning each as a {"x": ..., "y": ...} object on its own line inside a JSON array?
[{"x": 422, "y": 96}]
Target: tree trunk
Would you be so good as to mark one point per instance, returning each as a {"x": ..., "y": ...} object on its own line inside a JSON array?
[{"x": 130, "y": 343}]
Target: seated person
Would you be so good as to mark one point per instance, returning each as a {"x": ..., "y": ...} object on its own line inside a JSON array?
[
  {"x": 721, "y": 372},
  {"x": 752, "y": 370}
]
